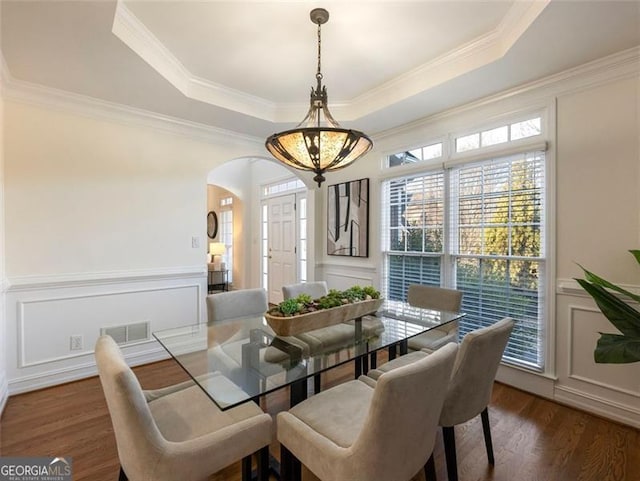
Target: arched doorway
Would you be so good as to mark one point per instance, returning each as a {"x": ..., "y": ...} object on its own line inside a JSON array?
[{"x": 269, "y": 217}]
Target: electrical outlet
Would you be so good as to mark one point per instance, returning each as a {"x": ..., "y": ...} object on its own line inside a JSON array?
[
  {"x": 75, "y": 343},
  {"x": 195, "y": 242}
]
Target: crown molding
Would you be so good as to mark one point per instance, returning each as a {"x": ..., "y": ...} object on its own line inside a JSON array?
[
  {"x": 477, "y": 53},
  {"x": 24, "y": 283},
  {"x": 61, "y": 100},
  {"x": 614, "y": 67},
  {"x": 481, "y": 51},
  {"x": 133, "y": 33}
]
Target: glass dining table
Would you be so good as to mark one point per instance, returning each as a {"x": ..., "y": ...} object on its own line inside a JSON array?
[{"x": 239, "y": 360}]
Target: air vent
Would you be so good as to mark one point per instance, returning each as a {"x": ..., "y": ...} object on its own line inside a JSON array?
[{"x": 128, "y": 333}]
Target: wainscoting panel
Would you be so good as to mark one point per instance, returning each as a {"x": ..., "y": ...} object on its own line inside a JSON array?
[
  {"x": 52, "y": 326},
  {"x": 610, "y": 390},
  {"x": 341, "y": 277},
  {"x": 42, "y": 340},
  {"x": 585, "y": 324}
]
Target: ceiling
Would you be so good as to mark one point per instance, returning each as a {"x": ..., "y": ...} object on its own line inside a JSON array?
[{"x": 248, "y": 67}]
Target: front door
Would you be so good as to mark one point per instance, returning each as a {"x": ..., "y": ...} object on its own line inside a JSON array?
[{"x": 281, "y": 245}]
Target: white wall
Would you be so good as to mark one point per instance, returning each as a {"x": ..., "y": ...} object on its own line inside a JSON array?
[
  {"x": 597, "y": 223},
  {"x": 3, "y": 341},
  {"x": 100, "y": 216},
  {"x": 594, "y": 156}
]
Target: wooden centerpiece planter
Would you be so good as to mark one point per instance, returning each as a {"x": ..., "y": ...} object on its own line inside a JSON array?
[{"x": 289, "y": 323}]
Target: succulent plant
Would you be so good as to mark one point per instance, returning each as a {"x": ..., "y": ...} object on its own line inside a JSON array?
[{"x": 305, "y": 303}]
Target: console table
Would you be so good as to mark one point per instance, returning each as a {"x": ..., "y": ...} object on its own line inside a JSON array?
[{"x": 217, "y": 280}]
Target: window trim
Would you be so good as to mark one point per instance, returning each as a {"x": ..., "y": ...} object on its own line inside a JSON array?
[
  {"x": 546, "y": 109},
  {"x": 449, "y": 256}
]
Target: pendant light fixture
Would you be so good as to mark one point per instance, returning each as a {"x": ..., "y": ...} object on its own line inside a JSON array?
[{"x": 315, "y": 145}]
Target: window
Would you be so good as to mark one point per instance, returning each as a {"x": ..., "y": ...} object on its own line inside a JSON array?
[
  {"x": 226, "y": 234},
  {"x": 282, "y": 187},
  {"x": 265, "y": 246},
  {"x": 497, "y": 248},
  {"x": 302, "y": 239},
  {"x": 428, "y": 152},
  {"x": 499, "y": 135},
  {"x": 415, "y": 232},
  {"x": 478, "y": 228}
]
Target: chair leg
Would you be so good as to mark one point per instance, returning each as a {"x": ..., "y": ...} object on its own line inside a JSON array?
[
  {"x": 374, "y": 360},
  {"x": 317, "y": 383},
  {"x": 285, "y": 464},
  {"x": 122, "y": 476},
  {"x": 246, "y": 468},
  {"x": 486, "y": 428},
  {"x": 449, "y": 437},
  {"x": 430, "y": 469},
  {"x": 263, "y": 464}
]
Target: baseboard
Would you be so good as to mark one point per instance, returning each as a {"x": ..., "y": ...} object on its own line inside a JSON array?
[
  {"x": 605, "y": 408},
  {"x": 536, "y": 383},
  {"x": 80, "y": 371},
  {"x": 4, "y": 394}
]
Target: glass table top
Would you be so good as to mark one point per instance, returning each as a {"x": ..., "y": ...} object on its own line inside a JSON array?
[{"x": 238, "y": 360}]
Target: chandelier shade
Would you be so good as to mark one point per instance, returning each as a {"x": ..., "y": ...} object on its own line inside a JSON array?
[
  {"x": 311, "y": 145},
  {"x": 318, "y": 149}
]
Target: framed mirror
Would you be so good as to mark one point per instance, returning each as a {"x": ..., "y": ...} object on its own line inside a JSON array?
[{"x": 212, "y": 225}]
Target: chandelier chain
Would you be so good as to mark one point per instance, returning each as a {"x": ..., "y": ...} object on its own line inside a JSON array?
[
  {"x": 319, "y": 73},
  {"x": 311, "y": 146}
]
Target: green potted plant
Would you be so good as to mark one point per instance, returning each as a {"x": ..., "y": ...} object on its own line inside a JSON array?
[
  {"x": 614, "y": 302},
  {"x": 302, "y": 313}
]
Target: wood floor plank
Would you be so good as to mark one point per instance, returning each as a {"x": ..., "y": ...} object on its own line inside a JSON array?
[{"x": 534, "y": 439}]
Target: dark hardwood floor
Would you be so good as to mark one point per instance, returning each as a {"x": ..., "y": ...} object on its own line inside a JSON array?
[{"x": 534, "y": 439}]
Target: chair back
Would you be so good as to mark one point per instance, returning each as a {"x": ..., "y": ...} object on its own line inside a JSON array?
[
  {"x": 431, "y": 297},
  {"x": 236, "y": 304},
  {"x": 314, "y": 289},
  {"x": 400, "y": 429},
  {"x": 139, "y": 441},
  {"x": 474, "y": 372}
]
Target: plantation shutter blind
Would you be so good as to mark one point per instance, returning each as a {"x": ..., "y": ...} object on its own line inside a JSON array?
[
  {"x": 496, "y": 241},
  {"x": 413, "y": 233}
]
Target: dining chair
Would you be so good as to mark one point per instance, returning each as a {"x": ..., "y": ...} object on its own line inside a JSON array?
[
  {"x": 330, "y": 337},
  {"x": 177, "y": 432},
  {"x": 439, "y": 298},
  {"x": 359, "y": 432},
  {"x": 469, "y": 391},
  {"x": 236, "y": 304},
  {"x": 315, "y": 289},
  {"x": 228, "y": 354}
]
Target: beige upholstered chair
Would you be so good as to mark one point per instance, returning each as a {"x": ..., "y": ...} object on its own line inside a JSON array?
[
  {"x": 236, "y": 304},
  {"x": 469, "y": 391},
  {"x": 357, "y": 432},
  {"x": 176, "y": 432},
  {"x": 430, "y": 297},
  {"x": 332, "y": 337},
  {"x": 227, "y": 355},
  {"x": 314, "y": 289}
]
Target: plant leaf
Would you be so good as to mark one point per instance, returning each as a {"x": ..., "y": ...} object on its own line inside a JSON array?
[
  {"x": 599, "y": 281},
  {"x": 636, "y": 254},
  {"x": 621, "y": 315},
  {"x": 617, "y": 349}
]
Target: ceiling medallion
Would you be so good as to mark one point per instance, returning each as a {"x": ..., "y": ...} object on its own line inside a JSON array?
[{"x": 314, "y": 145}]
